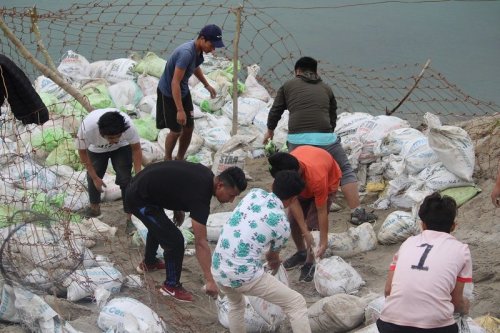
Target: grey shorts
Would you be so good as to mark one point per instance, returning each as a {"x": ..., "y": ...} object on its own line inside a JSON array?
[
  {"x": 339, "y": 155},
  {"x": 310, "y": 212}
]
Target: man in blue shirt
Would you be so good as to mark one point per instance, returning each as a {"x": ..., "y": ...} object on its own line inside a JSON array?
[{"x": 174, "y": 107}]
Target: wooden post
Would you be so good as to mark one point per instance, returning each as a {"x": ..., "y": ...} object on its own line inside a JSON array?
[
  {"x": 236, "y": 41},
  {"x": 387, "y": 112},
  {"x": 39, "y": 42},
  {"x": 44, "y": 69}
]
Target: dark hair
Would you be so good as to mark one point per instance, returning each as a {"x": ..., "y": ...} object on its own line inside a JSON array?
[
  {"x": 287, "y": 184},
  {"x": 234, "y": 177},
  {"x": 112, "y": 123},
  {"x": 282, "y": 161},
  {"x": 438, "y": 212},
  {"x": 307, "y": 63}
]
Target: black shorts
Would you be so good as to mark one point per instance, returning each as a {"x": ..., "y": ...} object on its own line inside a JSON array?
[
  {"x": 166, "y": 112},
  {"x": 385, "y": 327}
]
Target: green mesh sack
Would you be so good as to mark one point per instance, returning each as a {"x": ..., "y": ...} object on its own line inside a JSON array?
[
  {"x": 66, "y": 154},
  {"x": 146, "y": 127},
  {"x": 49, "y": 138},
  {"x": 151, "y": 64},
  {"x": 461, "y": 194},
  {"x": 51, "y": 102},
  {"x": 99, "y": 97}
]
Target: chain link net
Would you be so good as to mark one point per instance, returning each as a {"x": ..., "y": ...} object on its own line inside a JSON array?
[{"x": 104, "y": 30}]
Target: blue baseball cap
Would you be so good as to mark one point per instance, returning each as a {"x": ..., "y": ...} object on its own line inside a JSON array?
[{"x": 213, "y": 34}]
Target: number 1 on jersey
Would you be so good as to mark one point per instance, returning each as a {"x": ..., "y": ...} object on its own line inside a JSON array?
[{"x": 421, "y": 262}]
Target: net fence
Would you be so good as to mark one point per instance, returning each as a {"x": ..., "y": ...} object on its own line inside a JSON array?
[{"x": 40, "y": 170}]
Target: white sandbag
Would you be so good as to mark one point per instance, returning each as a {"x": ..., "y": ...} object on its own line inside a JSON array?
[
  {"x": 337, "y": 313},
  {"x": 128, "y": 315},
  {"x": 453, "y": 146},
  {"x": 271, "y": 313},
  {"x": 8, "y": 311},
  {"x": 215, "y": 223},
  {"x": 195, "y": 145},
  {"x": 201, "y": 96},
  {"x": 374, "y": 309},
  {"x": 45, "y": 85},
  {"x": 112, "y": 191},
  {"x": 151, "y": 152},
  {"x": 393, "y": 166},
  {"x": 92, "y": 228},
  {"x": 204, "y": 156},
  {"x": 254, "y": 323},
  {"x": 397, "y": 227},
  {"x": 253, "y": 88},
  {"x": 120, "y": 70},
  {"x": 371, "y": 132},
  {"x": 147, "y": 105},
  {"x": 232, "y": 153},
  {"x": 46, "y": 248},
  {"x": 74, "y": 67},
  {"x": 417, "y": 155},
  {"x": 260, "y": 119},
  {"x": 393, "y": 142},
  {"x": 347, "y": 122},
  {"x": 215, "y": 137},
  {"x": 36, "y": 315},
  {"x": 334, "y": 276},
  {"x": 354, "y": 241},
  {"x": 29, "y": 175},
  {"x": 148, "y": 84},
  {"x": 125, "y": 93},
  {"x": 437, "y": 177},
  {"x": 83, "y": 283},
  {"x": 247, "y": 109},
  {"x": 97, "y": 69},
  {"x": 368, "y": 329}
]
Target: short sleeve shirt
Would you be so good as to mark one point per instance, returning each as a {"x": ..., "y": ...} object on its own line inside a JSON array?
[
  {"x": 426, "y": 270},
  {"x": 184, "y": 57},
  {"x": 174, "y": 185},
  {"x": 321, "y": 173},
  {"x": 257, "y": 224},
  {"x": 88, "y": 136}
]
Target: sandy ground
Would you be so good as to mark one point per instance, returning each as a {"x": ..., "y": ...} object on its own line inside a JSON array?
[{"x": 478, "y": 225}]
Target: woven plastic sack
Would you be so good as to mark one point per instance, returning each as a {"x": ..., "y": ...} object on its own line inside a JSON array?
[
  {"x": 151, "y": 64},
  {"x": 334, "y": 276}
]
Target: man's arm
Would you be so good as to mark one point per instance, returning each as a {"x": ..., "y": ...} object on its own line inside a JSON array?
[
  {"x": 279, "y": 106},
  {"x": 273, "y": 260},
  {"x": 457, "y": 299},
  {"x": 177, "y": 96},
  {"x": 388, "y": 283},
  {"x": 333, "y": 112},
  {"x": 204, "y": 256},
  {"x": 85, "y": 159},
  {"x": 323, "y": 229},
  {"x": 136, "y": 156},
  {"x": 199, "y": 74}
]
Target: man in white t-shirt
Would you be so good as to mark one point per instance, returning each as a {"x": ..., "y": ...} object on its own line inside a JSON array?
[
  {"x": 107, "y": 134},
  {"x": 427, "y": 276},
  {"x": 258, "y": 227}
]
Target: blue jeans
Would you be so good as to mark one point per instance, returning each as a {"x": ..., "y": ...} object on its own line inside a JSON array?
[
  {"x": 121, "y": 159},
  {"x": 162, "y": 232}
]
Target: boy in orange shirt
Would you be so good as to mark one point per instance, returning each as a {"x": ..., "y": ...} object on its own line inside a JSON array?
[{"x": 321, "y": 174}]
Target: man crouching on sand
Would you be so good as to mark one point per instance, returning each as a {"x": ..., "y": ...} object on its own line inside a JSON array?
[{"x": 182, "y": 187}]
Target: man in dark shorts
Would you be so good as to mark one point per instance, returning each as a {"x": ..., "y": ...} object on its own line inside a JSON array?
[
  {"x": 182, "y": 187},
  {"x": 174, "y": 107}
]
